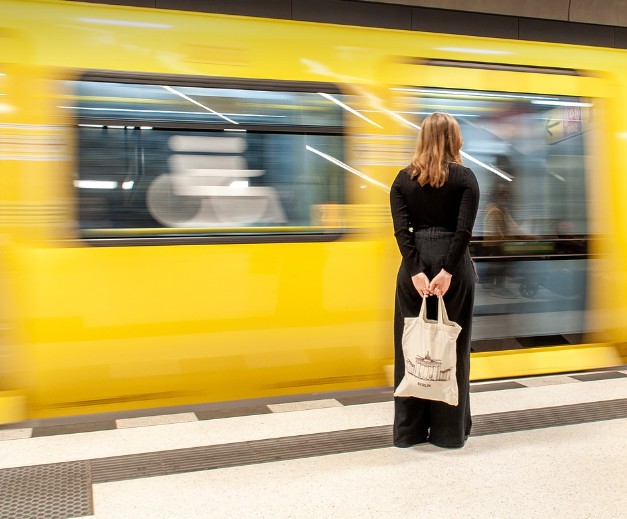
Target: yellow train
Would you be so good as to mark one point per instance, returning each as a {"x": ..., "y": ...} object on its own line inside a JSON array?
[{"x": 194, "y": 208}]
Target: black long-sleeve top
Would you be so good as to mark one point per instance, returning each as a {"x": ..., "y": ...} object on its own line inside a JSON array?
[{"x": 452, "y": 207}]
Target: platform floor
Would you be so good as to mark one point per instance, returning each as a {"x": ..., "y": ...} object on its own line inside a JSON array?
[{"x": 551, "y": 446}]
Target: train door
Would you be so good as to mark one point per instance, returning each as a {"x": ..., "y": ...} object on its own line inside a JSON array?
[{"x": 532, "y": 136}]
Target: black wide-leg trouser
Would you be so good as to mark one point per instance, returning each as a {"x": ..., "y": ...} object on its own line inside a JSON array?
[{"x": 417, "y": 420}]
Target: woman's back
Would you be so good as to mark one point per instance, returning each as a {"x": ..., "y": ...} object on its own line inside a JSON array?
[
  {"x": 436, "y": 206},
  {"x": 451, "y": 207}
]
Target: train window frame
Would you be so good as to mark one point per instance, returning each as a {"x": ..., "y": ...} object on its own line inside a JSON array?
[{"x": 148, "y": 236}]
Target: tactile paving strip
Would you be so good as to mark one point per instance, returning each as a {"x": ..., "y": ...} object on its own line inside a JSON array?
[
  {"x": 549, "y": 417},
  {"x": 237, "y": 454},
  {"x": 57, "y": 491}
]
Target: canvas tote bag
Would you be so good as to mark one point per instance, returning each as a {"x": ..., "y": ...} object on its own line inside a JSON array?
[{"x": 430, "y": 353}]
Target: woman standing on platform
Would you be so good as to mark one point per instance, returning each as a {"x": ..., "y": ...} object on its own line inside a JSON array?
[{"x": 434, "y": 204}]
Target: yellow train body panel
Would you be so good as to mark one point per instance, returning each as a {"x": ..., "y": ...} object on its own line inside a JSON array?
[{"x": 91, "y": 329}]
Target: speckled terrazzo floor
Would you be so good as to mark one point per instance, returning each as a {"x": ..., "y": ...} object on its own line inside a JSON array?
[{"x": 576, "y": 471}]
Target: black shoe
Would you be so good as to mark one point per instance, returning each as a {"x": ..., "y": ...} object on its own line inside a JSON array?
[
  {"x": 404, "y": 445},
  {"x": 447, "y": 446}
]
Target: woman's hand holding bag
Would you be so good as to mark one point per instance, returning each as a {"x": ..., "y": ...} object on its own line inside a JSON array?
[
  {"x": 421, "y": 284},
  {"x": 440, "y": 284}
]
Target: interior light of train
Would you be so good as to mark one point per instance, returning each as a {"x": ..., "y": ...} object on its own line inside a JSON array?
[
  {"x": 128, "y": 184},
  {"x": 104, "y": 109},
  {"x": 347, "y": 168},
  {"x": 130, "y": 127},
  {"x": 145, "y": 127},
  {"x": 234, "y": 130},
  {"x": 498, "y": 172},
  {"x": 558, "y": 177},
  {"x": 429, "y": 113},
  {"x": 473, "y": 51},
  {"x": 348, "y": 108},
  {"x": 138, "y": 110},
  {"x": 95, "y": 184},
  {"x": 256, "y": 115},
  {"x": 91, "y": 125},
  {"x": 469, "y": 93},
  {"x": 126, "y": 22},
  {"x": 181, "y": 94},
  {"x": 560, "y": 103},
  {"x": 394, "y": 114},
  {"x": 116, "y": 127},
  {"x": 239, "y": 183}
]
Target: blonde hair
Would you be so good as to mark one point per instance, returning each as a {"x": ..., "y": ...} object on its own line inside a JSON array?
[{"x": 438, "y": 145}]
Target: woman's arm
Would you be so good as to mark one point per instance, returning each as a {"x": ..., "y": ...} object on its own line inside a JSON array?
[
  {"x": 465, "y": 221},
  {"x": 404, "y": 237}
]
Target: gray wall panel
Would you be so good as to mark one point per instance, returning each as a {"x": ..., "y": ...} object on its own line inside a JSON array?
[
  {"x": 456, "y": 22},
  {"x": 266, "y": 8},
  {"x": 549, "y": 9},
  {"x": 349, "y": 12},
  {"x": 565, "y": 32},
  {"x": 620, "y": 37}
]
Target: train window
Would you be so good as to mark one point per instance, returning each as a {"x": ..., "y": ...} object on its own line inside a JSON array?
[
  {"x": 173, "y": 160},
  {"x": 528, "y": 152}
]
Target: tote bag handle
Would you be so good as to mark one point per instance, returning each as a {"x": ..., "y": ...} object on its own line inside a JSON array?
[
  {"x": 423, "y": 310},
  {"x": 442, "y": 314}
]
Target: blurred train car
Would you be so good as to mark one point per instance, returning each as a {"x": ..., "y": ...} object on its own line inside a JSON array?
[{"x": 194, "y": 208}]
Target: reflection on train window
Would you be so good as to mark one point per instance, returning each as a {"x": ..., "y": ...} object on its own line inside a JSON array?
[
  {"x": 155, "y": 160},
  {"x": 529, "y": 155},
  {"x": 527, "y": 152}
]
